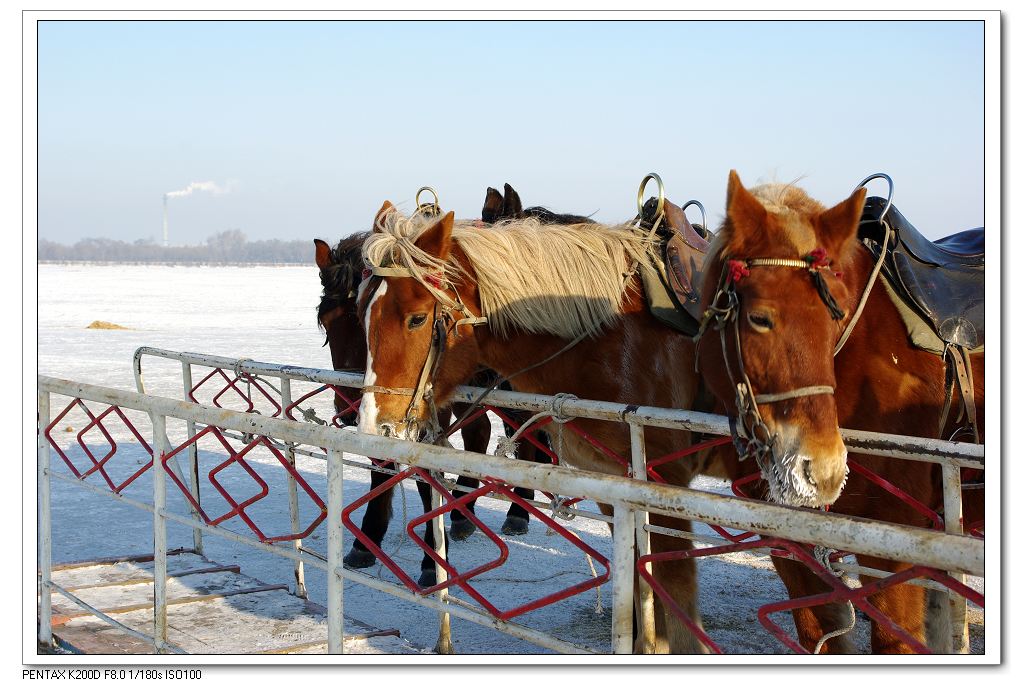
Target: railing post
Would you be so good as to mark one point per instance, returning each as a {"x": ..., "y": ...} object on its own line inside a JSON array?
[
  {"x": 335, "y": 553},
  {"x": 951, "y": 479},
  {"x": 193, "y": 459},
  {"x": 646, "y": 593},
  {"x": 624, "y": 576},
  {"x": 45, "y": 521},
  {"x": 159, "y": 533},
  {"x": 444, "y": 645},
  {"x": 289, "y": 454}
]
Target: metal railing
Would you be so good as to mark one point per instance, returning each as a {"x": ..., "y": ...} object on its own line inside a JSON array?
[{"x": 633, "y": 498}]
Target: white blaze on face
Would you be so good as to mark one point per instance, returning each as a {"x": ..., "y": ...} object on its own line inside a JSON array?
[{"x": 368, "y": 408}]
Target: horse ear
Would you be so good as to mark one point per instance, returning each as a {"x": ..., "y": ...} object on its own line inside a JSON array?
[
  {"x": 378, "y": 222},
  {"x": 740, "y": 205},
  {"x": 436, "y": 240},
  {"x": 839, "y": 225},
  {"x": 493, "y": 207},
  {"x": 322, "y": 254},
  {"x": 512, "y": 203}
]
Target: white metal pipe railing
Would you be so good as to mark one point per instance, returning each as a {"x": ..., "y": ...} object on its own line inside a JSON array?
[
  {"x": 862, "y": 536},
  {"x": 452, "y": 605},
  {"x": 633, "y": 499},
  {"x": 951, "y": 456}
]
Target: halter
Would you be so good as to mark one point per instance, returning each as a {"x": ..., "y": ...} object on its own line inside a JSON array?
[
  {"x": 444, "y": 324},
  {"x": 756, "y": 439}
]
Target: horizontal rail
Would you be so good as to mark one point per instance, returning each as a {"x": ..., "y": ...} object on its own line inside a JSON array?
[
  {"x": 965, "y": 455},
  {"x": 890, "y": 541}
]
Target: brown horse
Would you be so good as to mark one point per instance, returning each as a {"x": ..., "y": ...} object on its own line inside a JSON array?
[
  {"x": 341, "y": 272},
  {"x": 564, "y": 310},
  {"x": 791, "y": 274}
]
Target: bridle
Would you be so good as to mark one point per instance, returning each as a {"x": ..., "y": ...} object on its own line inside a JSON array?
[
  {"x": 448, "y": 314},
  {"x": 750, "y": 433}
]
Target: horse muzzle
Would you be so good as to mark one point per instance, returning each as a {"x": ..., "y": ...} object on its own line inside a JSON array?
[{"x": 805, "y": 473}]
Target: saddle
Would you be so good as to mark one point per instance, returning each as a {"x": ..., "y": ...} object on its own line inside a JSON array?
[
  {"x": 672, "y": 289},
  {"x": 942, "y": 281},
  {"x": 938, "y": 289}
]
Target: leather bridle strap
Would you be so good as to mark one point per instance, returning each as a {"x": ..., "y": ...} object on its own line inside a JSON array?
[
  {"x": 724, "y": 310},
  {"x": 452, "y": 304},
  {"x": 793, "y": 394}
]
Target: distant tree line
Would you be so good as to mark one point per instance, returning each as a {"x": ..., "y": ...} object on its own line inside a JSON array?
[{"x": 227, "y": 247}]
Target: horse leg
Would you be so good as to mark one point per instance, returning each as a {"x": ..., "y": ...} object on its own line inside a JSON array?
[
  {"x": 813, "y": 623},
  {"x": 907, "y": 606},
  {"x": 427, "y": 567},
  {"x": 516, "y": 522},
  {"x": 678, "y": 577},
  {"x": 475, "y": 438},
  {"x": 374, "y": 522}
]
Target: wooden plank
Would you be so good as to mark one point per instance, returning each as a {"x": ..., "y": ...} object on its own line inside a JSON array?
[
  {"x": 149, "y": 578},
  {"x": 94, "y": 574},
  {"x": 205, "y": 597},
  {"x": 103, "y": 561}
]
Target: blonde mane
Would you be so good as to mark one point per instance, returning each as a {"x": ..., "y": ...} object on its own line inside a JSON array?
[
  {"x": 535, "y": 278},
  {"x": 789, "y": 202},
  {"x": 780, "y": 198}
]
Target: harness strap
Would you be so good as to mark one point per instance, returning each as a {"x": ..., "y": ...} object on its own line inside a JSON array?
[
  {"x": 963, "y": 378},
  {"x": 806, "y": 391},
  {"x": 455, "y": 303},
  {"x": 391, "y": 272},
  {"x": 866, "y": 290},
  {"x": 381, "y": 390}
]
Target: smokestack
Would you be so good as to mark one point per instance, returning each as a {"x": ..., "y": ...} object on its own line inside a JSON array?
[{"x": 165, "y": 219}]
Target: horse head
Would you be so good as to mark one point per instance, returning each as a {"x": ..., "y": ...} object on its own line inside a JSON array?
[
  {"x": 340, "y": 274},
  {"x": 416, "y": 309},
  {"x": 767, "y": 342}
]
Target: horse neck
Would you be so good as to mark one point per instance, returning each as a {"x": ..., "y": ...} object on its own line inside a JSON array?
[
  {"x": 879, "y": 365},
  {"x": 634, "y": 359}
]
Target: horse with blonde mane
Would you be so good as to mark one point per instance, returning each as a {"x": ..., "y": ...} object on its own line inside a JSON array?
[
  {"x": 791, "y": 274},
  {"x": 561, "y": 308},
  {"x": 341, "y": 272}
]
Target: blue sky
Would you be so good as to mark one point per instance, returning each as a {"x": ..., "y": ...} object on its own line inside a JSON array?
[{"x": 312, "y": 125}]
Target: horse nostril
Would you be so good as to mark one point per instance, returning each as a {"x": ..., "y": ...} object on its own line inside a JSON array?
[
  {"x": 387, "y": 429},
  {"x": 808, "y": 471}
]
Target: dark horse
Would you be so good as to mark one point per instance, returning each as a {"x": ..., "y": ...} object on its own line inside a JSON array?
[{"x": 341, "y": 272}]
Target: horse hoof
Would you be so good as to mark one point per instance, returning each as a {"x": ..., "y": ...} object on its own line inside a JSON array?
[
  {"x": 359, "y": 558},
  {"x": 462, "y": 529},
  {"x": 515, "y": 525},
  {"x": 428, "y": 578}
]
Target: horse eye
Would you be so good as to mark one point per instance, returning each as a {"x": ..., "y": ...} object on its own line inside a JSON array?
[
  {"x": 416, "y": 320},
  {"x": 760, "y": 321}
]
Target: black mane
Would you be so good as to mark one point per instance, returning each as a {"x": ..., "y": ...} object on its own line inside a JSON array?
[
  {"x": 546, "y": 216},
  {"x": 344, "y": 273}
]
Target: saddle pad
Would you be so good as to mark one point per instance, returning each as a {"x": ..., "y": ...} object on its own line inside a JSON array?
[{"x": 943, "y": 281}]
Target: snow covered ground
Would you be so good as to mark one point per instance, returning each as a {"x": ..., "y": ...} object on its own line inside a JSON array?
[{"x": 268, "y": 314}]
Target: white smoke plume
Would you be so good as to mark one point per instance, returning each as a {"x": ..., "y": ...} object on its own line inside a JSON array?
[{"x": 205, "y": 186}]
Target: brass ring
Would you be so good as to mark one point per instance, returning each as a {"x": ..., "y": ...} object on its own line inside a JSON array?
[
  {"x": 425, "y": 209},
  {"x": 660, "y": 194}
]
